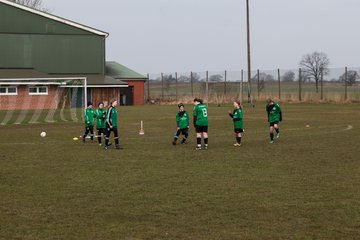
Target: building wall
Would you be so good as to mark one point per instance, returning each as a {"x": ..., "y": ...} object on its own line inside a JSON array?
[
  {"x": 104, "y": 94},
  {"x": 24, "y": 101},
  {"x": 28, "y": 40},
  {"x": 138, "y": 91}
]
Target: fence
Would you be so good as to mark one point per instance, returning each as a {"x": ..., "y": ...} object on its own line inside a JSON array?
[{"x": 295, "y": 85}]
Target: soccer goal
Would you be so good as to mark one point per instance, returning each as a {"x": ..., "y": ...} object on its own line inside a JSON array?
[{"x": 37, "y": 100}]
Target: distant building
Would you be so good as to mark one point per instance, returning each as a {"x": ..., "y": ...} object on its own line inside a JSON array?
[{"x": 35, "y": 45}]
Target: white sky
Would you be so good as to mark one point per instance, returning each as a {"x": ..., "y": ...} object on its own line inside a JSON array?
[{"x": 153, "y": 36}]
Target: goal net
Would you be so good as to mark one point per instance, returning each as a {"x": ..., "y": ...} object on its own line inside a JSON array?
[{"x": 37, "y": 100}]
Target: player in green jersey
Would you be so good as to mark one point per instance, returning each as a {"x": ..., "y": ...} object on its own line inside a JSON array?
[
  {"x": 100, "y": 115},
  {"x": 274, "y": 117},
  {"x": 237, "y": 117},
  {"x": 89, "y": 122},
  {"x": 182, "y": 124},
  {"x": 111, "y": 125},
  {"x": 200, "y": 115}
]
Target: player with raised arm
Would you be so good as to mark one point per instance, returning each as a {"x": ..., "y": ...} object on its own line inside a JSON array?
[
  {"x": 237, "y": 117},
  {"x": 111, "y": 125},
  {"x": 200, "y": 115},
  {"x": 274, "y": 117},
  {"x": 182, "y": 124}
]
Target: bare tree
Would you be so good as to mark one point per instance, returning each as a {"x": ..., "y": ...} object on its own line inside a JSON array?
[
  {"x": 351, "y": 77},
  {"x": 288, "y": 76},
  {"x": 35, "y": 4},
  {"x": 314, "y": 64}
]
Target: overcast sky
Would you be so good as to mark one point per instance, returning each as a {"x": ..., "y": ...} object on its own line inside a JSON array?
[{"x": 153, "y": 36}]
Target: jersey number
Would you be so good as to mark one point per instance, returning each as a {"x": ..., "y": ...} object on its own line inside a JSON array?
[{"x": 204, "y": 112}]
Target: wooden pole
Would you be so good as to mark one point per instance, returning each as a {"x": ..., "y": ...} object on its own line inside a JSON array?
[
  {"x": 176, "y": 86},
  {"x": 248, "y": 48},
  {"x": 279, "y": 83},
  {"x": 300, "y": 84}
]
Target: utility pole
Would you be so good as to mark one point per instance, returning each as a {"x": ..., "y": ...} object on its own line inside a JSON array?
[{"x": 248, "y": 49}]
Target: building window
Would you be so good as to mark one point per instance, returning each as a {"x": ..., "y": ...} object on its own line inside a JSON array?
[
  {"x": 38, "y": 91},
  {"x": 8, "y": 90}
]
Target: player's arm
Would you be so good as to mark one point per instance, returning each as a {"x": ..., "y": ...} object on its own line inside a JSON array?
[
  {"x": 108, "y": 117},
  {"x": 194, "y": 117},
  {"x": 177, "y": 120}
]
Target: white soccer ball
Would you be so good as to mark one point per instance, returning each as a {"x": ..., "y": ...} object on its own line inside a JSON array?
[{"x": 43, "y": 134}]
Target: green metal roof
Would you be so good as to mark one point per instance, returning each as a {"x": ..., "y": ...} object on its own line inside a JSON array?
[{"x": 118, "y": 71}]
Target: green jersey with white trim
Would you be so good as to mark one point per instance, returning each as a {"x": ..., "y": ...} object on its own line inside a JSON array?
[
  {"x": 274, "y": 113},
  {"x": 237, "y": 117},
  {"x": 89, "y": 117},
  {"x": 201, "y": 115}
]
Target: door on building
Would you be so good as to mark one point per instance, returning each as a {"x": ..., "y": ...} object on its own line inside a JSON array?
[{"x": 127, "y": 96}]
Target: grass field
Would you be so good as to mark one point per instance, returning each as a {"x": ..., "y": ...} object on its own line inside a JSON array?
[{"x": 304, "y": 186}]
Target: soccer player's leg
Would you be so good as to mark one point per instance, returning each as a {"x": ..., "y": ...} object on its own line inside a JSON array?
[
  {"x": 185, "y": 132},
  {"x": 198, "y": 138},
  {"x": 238, "y": 137},
  {"x": 276, "y": 126},
  {"x": 91, "y": 128},
  {"x": 116, "y": 138},
  {"x": 206, "y": 137},
  {"x": 99, "y": 135},
  {"x": 177, "y": 134},
  {"x": 87, "y": 130},
  {"x": 271, "y": 132},
  {"x": 107, "y": 136}
]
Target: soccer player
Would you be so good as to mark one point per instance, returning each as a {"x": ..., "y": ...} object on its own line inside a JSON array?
[
  {"x": 182, "y": 124},
  {"x": 200, "y": 115},
  {"x": 237, "y": 117},
  {"x": 89, "y": 122},
  {"x": 111, "y": 125},
  {"x": 100, "y": 115},
  {"x": 274, "y": 117}
]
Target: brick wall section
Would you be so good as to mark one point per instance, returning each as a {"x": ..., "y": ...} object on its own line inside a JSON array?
[
  {"x": 30, "y": 102},
  {"x": 138, "y": 91}
]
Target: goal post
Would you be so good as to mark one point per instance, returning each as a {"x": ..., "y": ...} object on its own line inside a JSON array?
[{"x": 36, "y": 100}]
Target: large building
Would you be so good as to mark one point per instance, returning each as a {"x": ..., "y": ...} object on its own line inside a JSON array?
[{"x": 35, "y": 45}]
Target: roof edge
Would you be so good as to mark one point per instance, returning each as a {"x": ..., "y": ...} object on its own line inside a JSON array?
[{"x": 56, "y": 18}]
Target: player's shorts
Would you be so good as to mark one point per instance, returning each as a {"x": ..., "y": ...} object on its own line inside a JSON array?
[
  {"x": 201, "y": 129},
  {"x": 183, "y": 131},
  {"x": 238, "y": 130},
  {"x": 273, "y": 123}
]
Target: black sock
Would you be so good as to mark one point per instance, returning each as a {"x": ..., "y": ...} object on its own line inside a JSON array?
[
  {"x": 175, "y": 138},
  {"x": 198, "y": 141},
  {"x": 238, "y": 140},
  {"x": 206, "y": 140},
  {"x": 277, "y": 130},
  {"x": 271, "y": 136}
]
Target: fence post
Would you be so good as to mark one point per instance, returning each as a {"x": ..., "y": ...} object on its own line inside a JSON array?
[
  {"x": 300, "y": 84},
  {"x": 258, "y": 83},
  {"x": 191, "y": 83},
  {"x": 346, "y": 73},
  {"x": 225, "y": 83},
  {"x": 321, "y": 83},
  {"x": 207, "y": 87},
  {"x": 176, "y": 86},
  {"x": 148, "y": 87},
  {"x": 242, "y": 86},
  {"x": 162, "y": 87},
  {"x": 279, "y": 83}
]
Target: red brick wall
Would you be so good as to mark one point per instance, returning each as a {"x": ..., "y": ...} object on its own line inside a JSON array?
[
  {"x": 25, "y": 101},
  {"x": 138, "y": 91}
]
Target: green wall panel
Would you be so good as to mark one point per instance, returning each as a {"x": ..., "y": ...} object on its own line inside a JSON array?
[{"x": 53, "y": 53}]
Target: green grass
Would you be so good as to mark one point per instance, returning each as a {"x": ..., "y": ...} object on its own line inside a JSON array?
[{"x": 305, "y": 186}]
